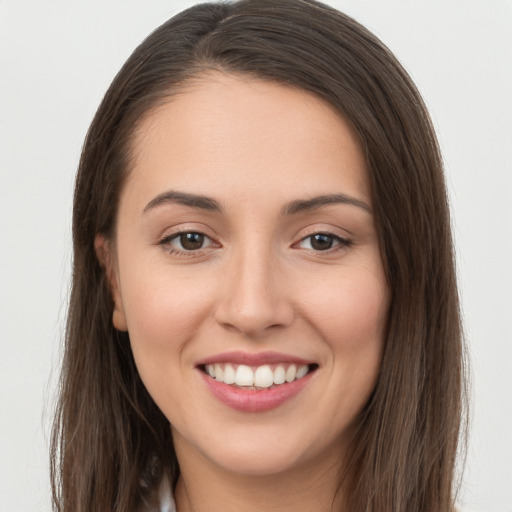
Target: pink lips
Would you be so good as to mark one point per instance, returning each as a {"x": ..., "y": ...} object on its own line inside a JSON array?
[
  {"x": 249, "y": 359},
  {"x": 253, "y": 400}
]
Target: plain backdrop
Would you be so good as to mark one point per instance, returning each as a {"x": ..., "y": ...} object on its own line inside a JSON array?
[{"x": 57, "y": 58}]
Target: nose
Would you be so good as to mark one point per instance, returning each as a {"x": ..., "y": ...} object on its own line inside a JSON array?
[{"x": 254, "y": 294}]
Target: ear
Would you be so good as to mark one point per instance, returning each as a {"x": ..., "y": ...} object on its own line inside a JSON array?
[{"x": 104, "y": 253}]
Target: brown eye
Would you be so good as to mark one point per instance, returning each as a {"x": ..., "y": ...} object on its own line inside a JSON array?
[
  {"x": 191, "y": 241},
  {"x": 322, "y": 242},
  {"x": 187, "y": 241}
]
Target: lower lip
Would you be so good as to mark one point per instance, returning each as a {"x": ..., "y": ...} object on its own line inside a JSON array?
[{"x": 255, "y": 400}]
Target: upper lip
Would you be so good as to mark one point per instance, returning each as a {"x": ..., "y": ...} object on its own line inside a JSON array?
[{"x": 253, "y": 359}]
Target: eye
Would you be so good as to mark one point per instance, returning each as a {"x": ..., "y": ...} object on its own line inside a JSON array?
[
  {"x": 322, "y": 242},
  {"x": 187, "y": 241}
]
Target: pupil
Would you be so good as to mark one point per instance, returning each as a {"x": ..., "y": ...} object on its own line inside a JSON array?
[
  {"x": 191, "y": 241},
  {"x": 321, "y": 242}
]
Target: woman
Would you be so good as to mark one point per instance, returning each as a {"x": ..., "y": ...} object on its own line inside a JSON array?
[{"x": 264, "y": 311}]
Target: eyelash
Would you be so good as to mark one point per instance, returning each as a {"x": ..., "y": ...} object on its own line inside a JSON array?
[
  {"x": 337, "y": 243},
  {"x": 340, "y": 242},
  {"x": 167, "y": 242}
]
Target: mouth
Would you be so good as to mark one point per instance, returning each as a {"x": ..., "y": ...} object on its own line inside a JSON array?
[
  {"x": 256, "y": 382},
  {"x": 261, "y": 377}
]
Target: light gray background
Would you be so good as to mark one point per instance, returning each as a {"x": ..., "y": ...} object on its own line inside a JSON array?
[{"x": 57, "y": 59}]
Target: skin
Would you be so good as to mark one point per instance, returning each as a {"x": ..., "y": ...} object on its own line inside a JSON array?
[{"x": 256, "y": 284}]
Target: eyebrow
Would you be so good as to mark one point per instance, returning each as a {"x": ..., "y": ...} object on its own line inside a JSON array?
[
  {"x": 292, "y": 208},
  {"x": 302, "y": 205},
  {"x": 192, "y": 200}
]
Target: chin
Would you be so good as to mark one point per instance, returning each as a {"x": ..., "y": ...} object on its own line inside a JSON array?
[
  {"x": 255, "y": 460},
  {"x": 260, "y": 450}
]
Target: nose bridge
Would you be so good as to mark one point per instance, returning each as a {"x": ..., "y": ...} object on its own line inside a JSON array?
[{"x": 254, "y": 296}]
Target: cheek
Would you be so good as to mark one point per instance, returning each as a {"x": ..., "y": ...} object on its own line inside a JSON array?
[
  {"x": 351, "y": 319},
  {"x": 163, "y": 309},
  {"x": 164, "y": 313},
  {"x": 350, "y": 309}
]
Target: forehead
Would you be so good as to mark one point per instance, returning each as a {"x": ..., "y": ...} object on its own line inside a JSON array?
[{"x": 256, "y": 133}]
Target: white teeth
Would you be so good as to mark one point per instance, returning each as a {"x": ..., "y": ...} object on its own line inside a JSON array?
[
  {"x": 291, "y": 373},
  {"x": 219, "y": 373},
  {"x": 229, "y": 374},
  {"x": 302, "y": 370},
  {"x": 260, "y": 377},
  {"x": 263, "y": 377},
  {"x": 279, "y": 375},
  {"x": 244, "y": 376}
]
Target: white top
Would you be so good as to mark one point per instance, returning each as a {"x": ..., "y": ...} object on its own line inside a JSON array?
[{"x": 166, "y": 500}]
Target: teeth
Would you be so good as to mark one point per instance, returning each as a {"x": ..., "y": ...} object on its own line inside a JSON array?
[
  {"x": 259, "y": 377},
  {"x": 244, "y": 376},
  {"x": 279, "y": 375},
  {"x": 263, "y": 377},
  {"x": 219, "y": 373},
  {"x": 301, "y": 371},
  {"x": 229, "y": 374},
  {"x": 291, "y": 373}
]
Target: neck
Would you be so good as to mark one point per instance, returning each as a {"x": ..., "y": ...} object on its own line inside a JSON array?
[{"x": 204, "y": 487}]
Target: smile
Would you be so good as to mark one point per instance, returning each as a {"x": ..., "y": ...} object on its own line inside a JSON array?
[
  {"x": 255, "y": 382},
  {"x": 259, "y": 377}
]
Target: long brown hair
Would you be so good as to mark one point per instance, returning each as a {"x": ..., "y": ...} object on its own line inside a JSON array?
[{"x": 111, "y": 444}]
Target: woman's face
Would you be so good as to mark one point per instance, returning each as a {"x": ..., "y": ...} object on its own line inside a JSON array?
[{"x": 246, "y": 251}]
